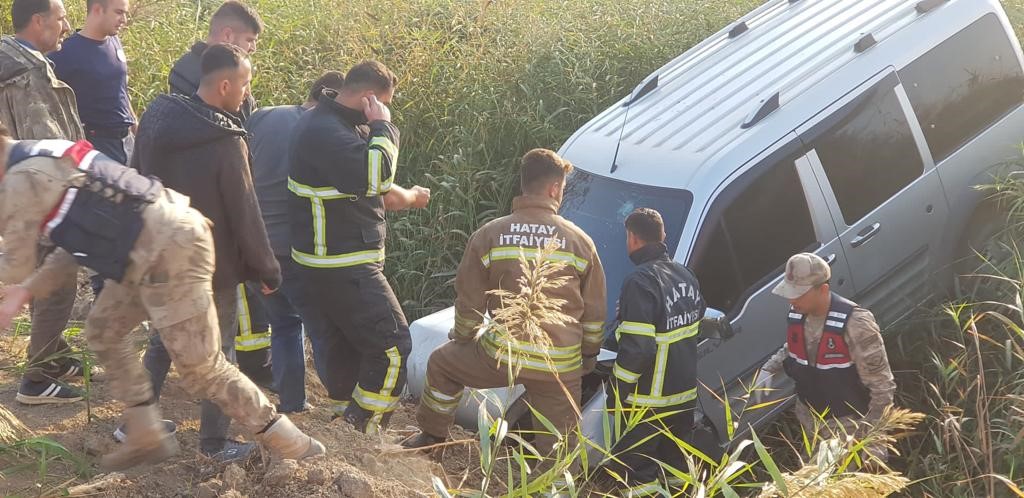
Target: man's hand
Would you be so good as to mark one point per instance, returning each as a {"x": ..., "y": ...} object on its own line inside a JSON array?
[
  {"x": 375, "y": 110},
  {"x": 421, "y": 197},
  {"x": 266, "y": 290},
  {"x": 15, "y": 297}
]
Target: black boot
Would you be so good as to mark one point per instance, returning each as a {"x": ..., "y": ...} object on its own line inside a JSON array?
[{"x": 422, "y": 440}]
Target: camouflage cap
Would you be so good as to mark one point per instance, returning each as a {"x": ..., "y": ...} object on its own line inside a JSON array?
[{"x": 804, "y": 271}]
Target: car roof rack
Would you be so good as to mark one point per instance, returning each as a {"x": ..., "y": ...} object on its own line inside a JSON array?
[
  {"x": 768, "y": 106},
  {"x": 737, "y": 30},
  {"x": 865, "y": 42},
  {"x": 926, "y": 6}
]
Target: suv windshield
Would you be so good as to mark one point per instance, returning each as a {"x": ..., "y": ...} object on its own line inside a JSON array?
[{"x": 599, "y": 205}]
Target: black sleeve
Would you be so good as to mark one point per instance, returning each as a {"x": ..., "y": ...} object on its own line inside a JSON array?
[
  {"x": 350, "y": 165},
  {"x": 246, "y": 221},
  {"x": 636, "y": 335}
]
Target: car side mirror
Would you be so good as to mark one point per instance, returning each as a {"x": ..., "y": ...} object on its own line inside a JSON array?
[{"x": 715, "y": 325}]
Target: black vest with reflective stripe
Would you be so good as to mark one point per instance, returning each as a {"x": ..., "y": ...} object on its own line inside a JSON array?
[
  {"x": 99, "y": 217},
  {"x": 832, "y": 383}
]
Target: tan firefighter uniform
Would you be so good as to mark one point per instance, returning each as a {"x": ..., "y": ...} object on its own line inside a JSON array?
[
  {"x": 167, "y": 280},
  {"x": 491, "y": 261}
]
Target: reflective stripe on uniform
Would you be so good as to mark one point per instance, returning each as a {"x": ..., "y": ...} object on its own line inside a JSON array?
[
  {"x": 317, "y": 196},
  {"x": 440, "y": 402},
  {"x": 374, "y": 402},
  {"x": 635, "y": 328},
  {"x": 338, "y": 407},
  {"x": 505, "y": 253},
  {"x": 376, "y": 184},
  {"x": 394, "y": 368},
  {"x": 246, "y": 340},
  {"x": 662, "y": 401},
  {"x": 252, "y": 342},
  {"x": 664, "y": 341},
  {"x": 593, "y": 333},
  {"x": 386, "y": 400},
  {"x": 677, "y": 335},
  {"x": 466, "y": 326},
  {"x": 625, "y": 375},
  {"x": 529, "y": 356},
  {"x": 338, "y": 260}
]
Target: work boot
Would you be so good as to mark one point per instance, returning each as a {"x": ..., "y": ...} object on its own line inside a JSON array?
[
  {"x": 147, "y": 441},
  {"x": 285, "y": 441},
  {"x": 422, "y": 441}
]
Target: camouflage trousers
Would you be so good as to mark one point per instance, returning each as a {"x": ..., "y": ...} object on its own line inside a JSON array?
[
  {"x": 817, "y": 429},
  {"x": 175, "y": 293}
]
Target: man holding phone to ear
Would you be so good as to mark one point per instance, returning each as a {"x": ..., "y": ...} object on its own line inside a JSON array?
[{"x": 343, "y": 160}]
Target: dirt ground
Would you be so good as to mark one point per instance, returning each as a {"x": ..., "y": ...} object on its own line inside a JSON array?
[{"x": 356, "y": 465}]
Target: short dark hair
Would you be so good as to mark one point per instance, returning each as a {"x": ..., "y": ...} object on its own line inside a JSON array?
[
  {"x": 331, "y": 79},
  {"x": 221, "y": 56},
  {"x": 23, "y": 10},
  {"x": 90, "y": 3},
  {"x": 370, "y": 75},
  {"x": 234, "y": 11},
  {"x": 646, "y": 224},
  {"x": 540, "y": 168}
]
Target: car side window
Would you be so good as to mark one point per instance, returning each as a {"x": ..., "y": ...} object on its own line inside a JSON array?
[
  {"x": 869, "y": 152},
  {"x": 964, "y": 84},
  {"x": 762, "y": 225}
]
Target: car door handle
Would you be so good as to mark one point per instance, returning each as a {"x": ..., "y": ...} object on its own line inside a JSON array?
[
  {"x": 866, "y": 234},
  {"x": 831, "y": 259}
]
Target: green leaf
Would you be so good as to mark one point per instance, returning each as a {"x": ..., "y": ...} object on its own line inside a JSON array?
[{"x": 769, "y": 464}]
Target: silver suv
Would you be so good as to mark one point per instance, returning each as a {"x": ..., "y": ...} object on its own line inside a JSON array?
[{"x": 855, "y": 130}]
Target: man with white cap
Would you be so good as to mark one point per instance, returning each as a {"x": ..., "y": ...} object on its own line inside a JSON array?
[{"x": 834, "y": 352}]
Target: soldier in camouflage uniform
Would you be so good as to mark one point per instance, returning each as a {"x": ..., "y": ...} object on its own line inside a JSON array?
[
  {"x": 156, "y": 254},
  {"x": 35, "y": 105},
  {"x": 835, "y": 353}
]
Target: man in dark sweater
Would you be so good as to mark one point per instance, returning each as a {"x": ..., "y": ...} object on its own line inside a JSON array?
[
  {"x": 198, "y": 148},
  {"x": 234, "y": 23}
]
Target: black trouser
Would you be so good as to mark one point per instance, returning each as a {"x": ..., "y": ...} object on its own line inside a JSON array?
[
  {"x": 47, "y": 349},
  {"x": 640, "y": 461},
  {"x": 360, "y": 341}
]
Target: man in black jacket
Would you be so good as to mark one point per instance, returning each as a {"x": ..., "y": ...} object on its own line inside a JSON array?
[
  {"x": 197, "y": 148},
  {"x": 234, "y": 23},
  {"x": 343, "y": 156},
  {"x": 655, "y": 372}
]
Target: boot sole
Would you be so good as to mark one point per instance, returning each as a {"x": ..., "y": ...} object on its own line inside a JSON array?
[
  {"x": 168, "y": 448},
  {"x": 45, "y": 400}
]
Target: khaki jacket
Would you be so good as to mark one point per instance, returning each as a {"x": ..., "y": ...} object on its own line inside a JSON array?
[
  {"x": 491, "y": 261},
  {"x": 867, "y": 350},
  {"x": 28, "y": 193},
  {"x": 34, "y": 104}
]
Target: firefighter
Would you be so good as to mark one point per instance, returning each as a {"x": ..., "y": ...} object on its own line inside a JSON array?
[
  {"x": 654, "y": 378},
  {"x": 156, "y": 255},
  {"x": 835, "y": 354},
  {"x": 491, "y": 261},
  {"x": 343, "y": 160}
]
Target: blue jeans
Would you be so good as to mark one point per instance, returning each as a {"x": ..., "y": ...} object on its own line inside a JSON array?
[{"x": 284, "y": 309}]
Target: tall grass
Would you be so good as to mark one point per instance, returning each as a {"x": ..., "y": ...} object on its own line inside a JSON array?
[
  {"x": 963, "y": 366},
  {"x": 481, "y": 83}
]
